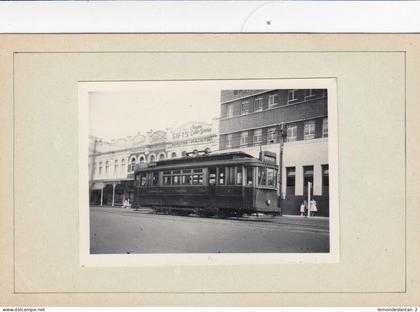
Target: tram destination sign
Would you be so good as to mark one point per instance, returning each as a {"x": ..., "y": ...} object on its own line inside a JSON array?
[{"x": 268, "y": 157}]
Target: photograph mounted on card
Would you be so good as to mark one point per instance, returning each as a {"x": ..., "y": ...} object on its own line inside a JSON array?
[{"x": 208, "y": 172}]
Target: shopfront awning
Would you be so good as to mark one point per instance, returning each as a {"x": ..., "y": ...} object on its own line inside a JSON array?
[{"x": 98, "y": 186}]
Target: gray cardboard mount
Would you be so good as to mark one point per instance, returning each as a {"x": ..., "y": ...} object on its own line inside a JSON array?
[{"x": 378, "y": 159}]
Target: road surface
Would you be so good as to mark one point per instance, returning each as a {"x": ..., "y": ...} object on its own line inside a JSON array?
[{"x": 123, "y": 231}]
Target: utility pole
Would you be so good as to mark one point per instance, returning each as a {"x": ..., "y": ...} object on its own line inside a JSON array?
[
  {"x": 309, "y": 199},
  {"x": 282, "y": 135}
]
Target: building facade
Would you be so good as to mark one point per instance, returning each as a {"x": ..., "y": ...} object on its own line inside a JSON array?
[
  {"x": 111, "y": 163},
  {"x": 253, "y": 120}
]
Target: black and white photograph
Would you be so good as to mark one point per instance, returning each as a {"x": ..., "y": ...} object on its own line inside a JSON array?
[{"x": 184, "y": 167}]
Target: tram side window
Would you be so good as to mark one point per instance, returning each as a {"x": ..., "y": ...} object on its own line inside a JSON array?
[
  {"x": 155, "y": 178},
  {"x": 262, "y": 176},
  {"x": 212, "y": 176},
  {"x": 137, "y": 183},
  {"x": 176, "y": 179},
  {"x": 186, "y": 177},
  {"x": 230, "y": 175},
  {"x": 197, "y": 177},
  {"x": 238, "y": 175},
  {"x": 143, "y": 178},
  {"x": 167, "y": 178},
  {"x": 271, "y": 181},
  {"x": 221, "y": 176},
  {"x": 249, "y": 175}
]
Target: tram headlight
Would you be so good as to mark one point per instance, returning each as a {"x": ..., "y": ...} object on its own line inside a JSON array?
[{"x": 268, "y": 202}]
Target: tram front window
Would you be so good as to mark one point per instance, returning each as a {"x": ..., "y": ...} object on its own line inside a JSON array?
[
  {"x": 271, "y": 177},
  {"x": 262, "y": 176}
]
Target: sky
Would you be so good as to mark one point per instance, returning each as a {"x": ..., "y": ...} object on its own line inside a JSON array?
[{"x": 117, "y": 114}]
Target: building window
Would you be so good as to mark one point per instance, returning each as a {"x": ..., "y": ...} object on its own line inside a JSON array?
[
  {"x": 152, "y": 158},
  {"x": 272, "y": 100},
  {"x": 258, "y": 104},
  {"x": 141, "y": 159},
  {"x": 122, "y": 165},
  {"x": 229, "y": 110},
  {"x": 291, "y": 133},
  {"x": 161, "y": 156},
  {"x": 229, "y": 140},
  {"x": 133, "y": 164},
  {"x": 115, "y": 166},
  {"x": 308, "y": 176},
  {"x": 290, "y": 180},
  {"x": 106, "y": 167},
  {"x": 291, "y": 96},
  {"x": 325, "y": 128},
  {"x": 308, "y": 93},
  {"x": 325, "y": 175},
  {"x": 257, "y": 136},
  {"x": 309, "y": 130},
  {"x": 271, "y": 135},
  {"x": 173, "y": 155},
  {"x": 244, "y": 108},
  {"x": 244, "y": 138},
  {"x": 100, "y": 168}
]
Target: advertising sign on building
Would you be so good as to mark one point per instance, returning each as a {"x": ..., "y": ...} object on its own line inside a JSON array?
[{"x": 191, "y": 130}]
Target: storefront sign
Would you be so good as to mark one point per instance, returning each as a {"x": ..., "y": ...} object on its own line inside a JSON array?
[{"x": 191, "y": 130}]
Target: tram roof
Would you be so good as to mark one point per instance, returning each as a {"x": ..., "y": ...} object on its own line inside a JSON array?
[
  {"x": 205, "y": 160},
  {"x": 204, "y": 157}
]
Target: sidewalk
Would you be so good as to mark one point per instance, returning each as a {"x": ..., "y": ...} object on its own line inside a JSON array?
[{"x": 296, "y": 219}]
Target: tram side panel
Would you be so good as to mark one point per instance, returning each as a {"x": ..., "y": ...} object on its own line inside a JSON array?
[{"x": 184, "y": 196}]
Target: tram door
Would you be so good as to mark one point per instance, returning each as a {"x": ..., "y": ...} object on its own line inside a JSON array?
[{"x": 212, "y": 186}]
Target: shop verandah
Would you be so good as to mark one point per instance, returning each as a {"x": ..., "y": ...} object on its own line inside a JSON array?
[{"x": 110, "y": 193}]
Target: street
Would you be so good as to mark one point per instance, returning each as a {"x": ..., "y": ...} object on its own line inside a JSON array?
[{"x": 123, "y": 231}]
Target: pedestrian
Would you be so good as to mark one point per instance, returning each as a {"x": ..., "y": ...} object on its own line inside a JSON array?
[
  {"x": 312, "y": 207},
  {"x": 303, "y": 207},
  {"x": 125, "y": 204}
]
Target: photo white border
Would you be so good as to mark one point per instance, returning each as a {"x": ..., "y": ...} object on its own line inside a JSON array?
[{"x": 194, "y": 259}]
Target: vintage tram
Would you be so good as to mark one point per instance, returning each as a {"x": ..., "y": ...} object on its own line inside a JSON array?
[{"x": 223, "y": 184}]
